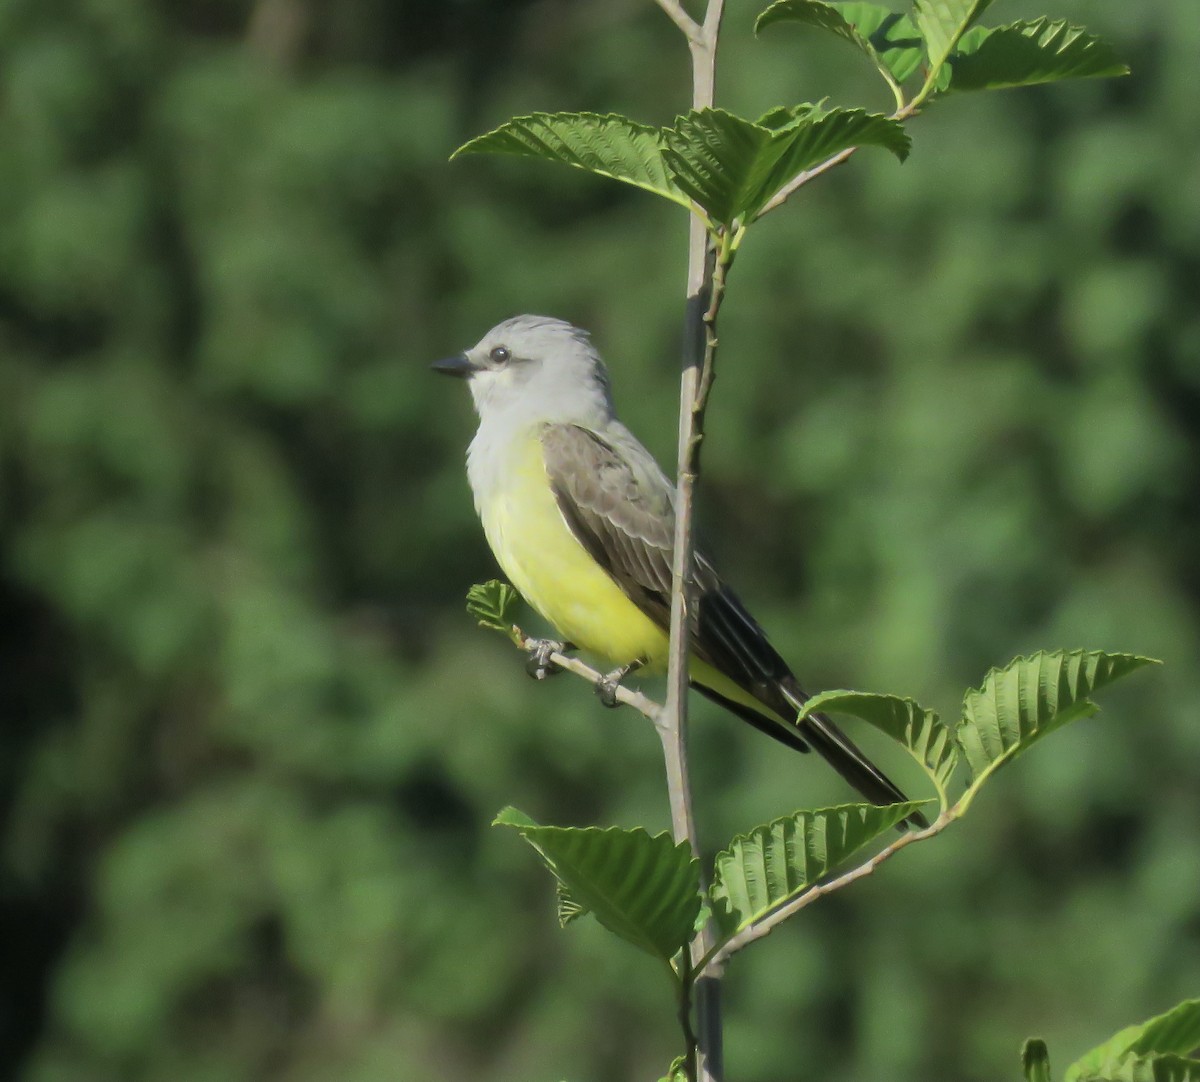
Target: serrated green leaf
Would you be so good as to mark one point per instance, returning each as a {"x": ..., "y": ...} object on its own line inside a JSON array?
[
  {"x": 1035, "y": 1060},
  {"x": 493, "y": 604},
  {"x": 1175, "y": 1031},
  {"x": 920, "y": 731},
  {"x": 888, "y": 38},
  {"x": 776, "y": 862},
  {"x": 1164, "y": 1068},
  {"x": 644, "y": 889},
  {"x": 816, "y": 135},
  {"x": 1028, "y": 53},
  {"x": 609, "y": 145},
  {"x": 894, "y": 37},
  {"x": 941, "y": 23},
  {"x": 514, "y": 817},
  {"x": 713, "y": 156},
  {"x": 823, "y": 16},
  {"x": 732, "y": 166},
  {"x": 1029, "y": 698}
]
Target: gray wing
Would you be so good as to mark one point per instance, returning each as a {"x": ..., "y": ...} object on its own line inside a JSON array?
[{"x": 619, "y": 505}]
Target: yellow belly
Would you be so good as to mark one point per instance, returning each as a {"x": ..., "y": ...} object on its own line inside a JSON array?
[{"x": 554, "y": 573}]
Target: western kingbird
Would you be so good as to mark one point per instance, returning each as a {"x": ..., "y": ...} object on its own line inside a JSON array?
[{"x": 581, "y": 519}]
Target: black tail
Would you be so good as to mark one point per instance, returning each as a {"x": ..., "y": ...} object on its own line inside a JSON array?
[
  {"x": 729, "y": 638},
  {"x": 840, "y": 752},
  {"x": 834, "y": 746}
]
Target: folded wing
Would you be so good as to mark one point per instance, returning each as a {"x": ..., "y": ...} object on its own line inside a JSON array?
[{"x": 620, "y": 506}]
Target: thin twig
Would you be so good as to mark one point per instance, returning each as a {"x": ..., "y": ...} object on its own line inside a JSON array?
[
  {"x": 776, "y": 917},
  {"x": 722, "y": 260},
  {"x": 626, "y": 696},
  {"x": 675, "y": 12}
]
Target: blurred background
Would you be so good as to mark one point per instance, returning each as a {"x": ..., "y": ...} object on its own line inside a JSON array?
[{"x": 251, "y": 743}]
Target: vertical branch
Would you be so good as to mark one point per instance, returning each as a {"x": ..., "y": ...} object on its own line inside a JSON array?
[
  {"x": 699, "y": 350},
  {"x": 277, "y": 30}
]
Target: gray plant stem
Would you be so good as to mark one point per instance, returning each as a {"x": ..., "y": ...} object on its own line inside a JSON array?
[{"x": 704, "y": 1053}]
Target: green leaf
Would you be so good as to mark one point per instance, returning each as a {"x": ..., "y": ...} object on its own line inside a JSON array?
[
  {"x": 677, "y": 1072},
  {"x": 732, "y": 166},
  {"x": 930, "y": 742},
  {"x": 810, "y": 135},
  {"x": 1176, "y": 1031},
  {"x": 774, "y": 863},
  {"x": 1035, "y": 1060},
  {"x": 645, "y": 889},
  {"x": 941, "y": 23},
  {"x": 894, "y": 37},
  {"x": 889, "y": 39},
  {"x": 610, "y": 145},
  {"x": 714, "y": 156},
  {"x": 1027, "y": 53},
  {"x": 831, "y": 17},
  {"x": 1162, "y": 1068},
  {"x": 493, "y": 604},
  {"x": 1032, "y": 696}
]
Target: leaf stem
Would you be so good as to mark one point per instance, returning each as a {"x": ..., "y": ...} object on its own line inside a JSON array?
[
  {"x": 768, "y": 923},
  {"x": 894, "y": 86}
]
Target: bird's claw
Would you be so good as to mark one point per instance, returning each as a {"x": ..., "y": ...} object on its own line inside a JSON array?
[
  {"x": 609, "y": 684},
  {"x": 539, "y": 665},
  {"x": 606, "y": 688}
]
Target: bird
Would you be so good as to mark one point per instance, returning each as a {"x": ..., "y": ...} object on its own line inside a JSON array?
[{"x": 581, "y": 519}]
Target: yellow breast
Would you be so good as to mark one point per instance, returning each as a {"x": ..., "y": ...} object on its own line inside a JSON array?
[{"x": 553, "y": 572}]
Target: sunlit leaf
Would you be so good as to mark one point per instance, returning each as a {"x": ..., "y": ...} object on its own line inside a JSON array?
[
  {"x": 732, "y": 166},
  {"x": 715, "y": 157},
  {"x": 1032, "y": 696},
  {"x": 1027, "y": 53},
  {"x": 645, "y": 889},
  {"x": 942, "y": 22},
  {"x": 888, "y": 38},
  {"x": 610, "y": 145},
  {"x": 812, "y": 136},
  {"x": 1175, "y": 1031},
  {"x": 776, "y": 862},
  {"x": 920, "y": 731}
]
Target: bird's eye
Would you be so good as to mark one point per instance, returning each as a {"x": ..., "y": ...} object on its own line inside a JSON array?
[{"x": 500, "y": 355}]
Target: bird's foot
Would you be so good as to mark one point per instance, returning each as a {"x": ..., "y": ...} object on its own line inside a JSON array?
[
  {"x": 607, "y": 685},
  {"x": 539, "y": 665}
]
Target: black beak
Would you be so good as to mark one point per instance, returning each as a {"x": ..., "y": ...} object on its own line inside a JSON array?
[{"x": 459, "y": 365}]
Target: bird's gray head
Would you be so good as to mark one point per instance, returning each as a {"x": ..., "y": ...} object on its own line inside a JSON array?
[{"x": 535, "y": 368}]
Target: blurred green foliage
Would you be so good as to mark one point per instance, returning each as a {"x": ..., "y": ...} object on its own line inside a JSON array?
[{"x": 251, "y": 744}]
